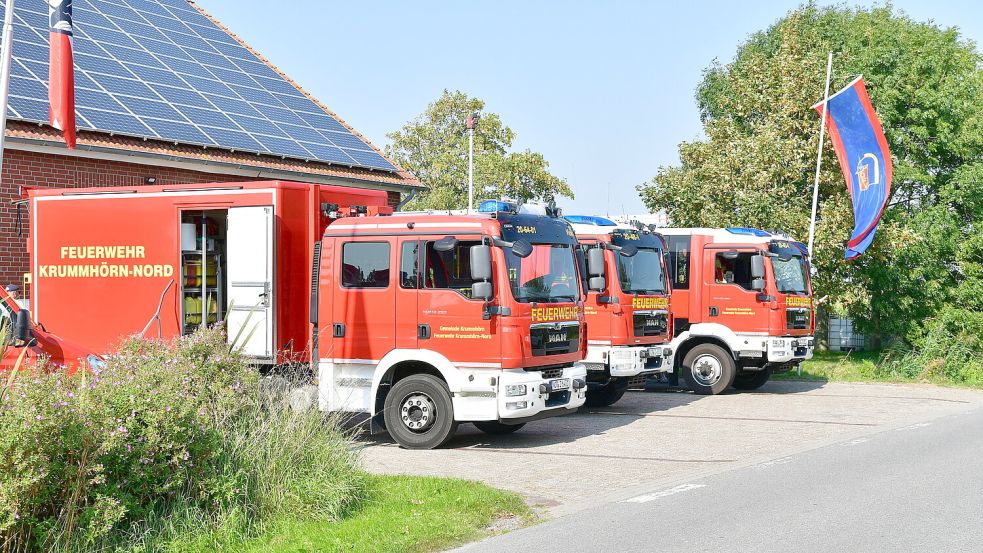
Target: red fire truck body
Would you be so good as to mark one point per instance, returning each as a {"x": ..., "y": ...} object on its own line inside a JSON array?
[
  {"x": 742, "y": 306},
  {"x": 480, "y": 315},
  {"x": 627, "y": 307},
  {"x": 466, "y": 318}
]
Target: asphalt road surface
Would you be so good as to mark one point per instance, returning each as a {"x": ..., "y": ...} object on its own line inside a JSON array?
[
  {"x": 654, "y": 441},
  {"x": 916, "y": 487}
]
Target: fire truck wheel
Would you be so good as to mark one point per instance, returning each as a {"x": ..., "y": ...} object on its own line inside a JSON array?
[
  {"x": 419, "y": 413},
  {"x": 609, "y": 394},
  {"x": 708, "y": 369},
  {"x": 751, "y": 380},
  {"x": 495, "y": 427}
]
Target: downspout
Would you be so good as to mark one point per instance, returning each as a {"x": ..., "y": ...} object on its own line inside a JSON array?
[{"x": 402, "y": 203}]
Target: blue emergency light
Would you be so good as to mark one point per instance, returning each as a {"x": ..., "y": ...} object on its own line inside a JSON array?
[
  {"x": 746, "y": 231},
  {"x": 495, "y": 206},
  {"x": 590, "y": 220}
]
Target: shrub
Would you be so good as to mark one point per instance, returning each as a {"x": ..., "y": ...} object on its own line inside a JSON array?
[{"x": 169, "y": 440}]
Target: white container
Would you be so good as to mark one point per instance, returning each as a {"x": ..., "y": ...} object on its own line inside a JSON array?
[{"x": 188, "y": 237}]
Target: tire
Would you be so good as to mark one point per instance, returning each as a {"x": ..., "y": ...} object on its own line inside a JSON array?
[
  {"x": 607, "y": 395},
  {"x": 751, "y": 380},
  {"x": 423, "y": 402},
  {"x": 496, "y": 428},
  {"x": 708, "y": 369}
]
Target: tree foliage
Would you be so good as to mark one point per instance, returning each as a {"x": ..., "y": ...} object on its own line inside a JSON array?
[
  {"x": 434, "y": 147},
  {"x": 756, "y": 164}
]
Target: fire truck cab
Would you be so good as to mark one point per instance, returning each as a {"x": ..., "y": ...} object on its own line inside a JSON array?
[
  {"x": 742, "y": 306},
  {"x": 627, "y": 307},
  {"x": 427, "y": 320}
]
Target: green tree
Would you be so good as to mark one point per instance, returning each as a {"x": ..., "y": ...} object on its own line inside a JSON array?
[
  {"x": 434, "y": 147},
  {"x": 756, "y": 164}
]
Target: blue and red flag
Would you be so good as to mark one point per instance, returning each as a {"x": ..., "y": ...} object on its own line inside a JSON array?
[
  {"x": 862, "y": 151},
  {"x": 61, "y": 70}
]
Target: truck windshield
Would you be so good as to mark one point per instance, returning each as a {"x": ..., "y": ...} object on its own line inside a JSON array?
[
  {"x": 548, "y": 275},
  {"x": 791, "y": 275},
  {"x": 642, "y": 273}
]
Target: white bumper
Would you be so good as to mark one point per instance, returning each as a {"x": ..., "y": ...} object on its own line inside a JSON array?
[
  {"x": 784, "y": 349},
  {"x": 628, "y": 361},
  {"x": 532, "y": 395}
]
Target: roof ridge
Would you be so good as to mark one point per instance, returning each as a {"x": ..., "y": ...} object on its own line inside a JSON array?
[{"x": 400, "y": 169}]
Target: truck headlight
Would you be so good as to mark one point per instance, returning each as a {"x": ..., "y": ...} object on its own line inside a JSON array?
[
  {"x": 516, "y": 405},
  {"x": 513, "y": 390},
  {"x": 778, "y": 344},
  {"x": 96, "y": 363}
]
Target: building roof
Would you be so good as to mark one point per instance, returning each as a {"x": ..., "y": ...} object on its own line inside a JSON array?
[{"x": 163, "y": 78}]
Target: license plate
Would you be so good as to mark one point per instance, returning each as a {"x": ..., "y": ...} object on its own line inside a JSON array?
[
  {"x": 559, "y": 384},
  {"x": 803, "y": 341}
]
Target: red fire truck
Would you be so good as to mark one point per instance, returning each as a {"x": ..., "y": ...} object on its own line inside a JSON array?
[
  {"x": 26, "y": 342},
  {"x": 742, "y": 306},
  {"x": 421, "y": 321},
  {"x": 627, "y": 307}
]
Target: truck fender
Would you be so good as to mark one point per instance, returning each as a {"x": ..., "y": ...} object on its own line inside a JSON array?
[
  {"x": 450, "y": 372},
  {"x": 716, "y": 331}
]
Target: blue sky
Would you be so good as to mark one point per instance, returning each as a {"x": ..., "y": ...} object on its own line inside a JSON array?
[{"x": 603, "y": 89}]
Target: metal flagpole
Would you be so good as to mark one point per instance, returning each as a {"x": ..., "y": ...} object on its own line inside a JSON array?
[
  {"x": 472, "y": 121},
  {"x": 819, "y": 155},
  {"x": 819, "y": 162},
  {"x": 5, "y": 45}
]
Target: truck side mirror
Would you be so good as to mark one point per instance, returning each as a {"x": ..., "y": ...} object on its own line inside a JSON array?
[
  {"x": 757, "y": 266},
  {"x": 595, "y": 262},
  {"x": 522, "y": 248},
  {"x": 22, "y": 327},
  {"x": 597, "y": 284},
  {"x": 482, "y": 290},
  {"x": 628, "y": 250},
  {"x": 758, "y": 284},
  {"x": 445, "y": 244},
  {"x": 481, "y": 262}
]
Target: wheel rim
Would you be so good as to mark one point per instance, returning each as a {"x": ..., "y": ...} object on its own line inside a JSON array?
[
  {"x": 707, "y": 370},
  {"x": 417, "y": 412}
]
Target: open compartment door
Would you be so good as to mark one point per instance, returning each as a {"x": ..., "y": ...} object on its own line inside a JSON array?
[{"x": 249, "y": 242}]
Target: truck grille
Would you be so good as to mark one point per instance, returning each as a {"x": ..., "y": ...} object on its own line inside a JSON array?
[
  {"x": 555, "y": 339},
  {"x": 650, "y": 324},
  {"x": 552, "y": 373},
  {"x": 797, "y": 319}
]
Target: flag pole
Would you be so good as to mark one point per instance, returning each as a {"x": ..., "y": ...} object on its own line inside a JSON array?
[
  {"x": 819, "y": 163},
  {"x": 472, "y": 123},
  {"x": 819, "y": 155},
  {"x": 5, "y": 46}
]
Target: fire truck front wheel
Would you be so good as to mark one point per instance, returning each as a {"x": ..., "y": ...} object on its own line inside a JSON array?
[
  {"x": 708, "y": 369},
  {"x": 751, "y": 380},
  {"x": 495, "y": 427},
  {"x": 419, "y": 413},
  {"x": 609, "y": 394}
]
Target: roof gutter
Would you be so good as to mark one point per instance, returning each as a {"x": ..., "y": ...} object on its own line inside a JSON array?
[{"x": 194, "y": 164}]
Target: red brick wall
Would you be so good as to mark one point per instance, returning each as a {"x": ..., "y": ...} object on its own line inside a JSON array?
[{"x": 35, "y": 169}]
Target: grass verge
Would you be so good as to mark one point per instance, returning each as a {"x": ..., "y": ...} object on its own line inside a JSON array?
[
  {"x": 403, "y": 513},
  {"x": 878, "y": 366}
]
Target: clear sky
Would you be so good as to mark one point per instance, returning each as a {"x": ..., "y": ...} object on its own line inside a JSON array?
[{"x": 603, "y": 89}]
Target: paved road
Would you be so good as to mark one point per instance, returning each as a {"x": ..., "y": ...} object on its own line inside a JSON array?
[
  {"x": 917, "y": 487},
  {"x": 657, "y": 440}
]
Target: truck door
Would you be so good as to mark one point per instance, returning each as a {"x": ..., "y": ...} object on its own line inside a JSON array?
[
  {"x": 728, "y": 297},
  {"x": 249, "y": 243},
  {"x": 449, "y": 321},
  {"x": 408, "y": 283},
  {"x": 363, "y": 327}
]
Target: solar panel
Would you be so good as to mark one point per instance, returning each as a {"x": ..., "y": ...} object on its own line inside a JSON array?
[{"x": 160, "y": 69}]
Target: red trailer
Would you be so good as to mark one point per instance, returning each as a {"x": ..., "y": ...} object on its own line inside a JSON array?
[{"x": 161, "y": 260}]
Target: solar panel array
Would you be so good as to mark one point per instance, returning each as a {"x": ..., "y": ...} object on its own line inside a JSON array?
[{"x": 160, "y": 69}]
